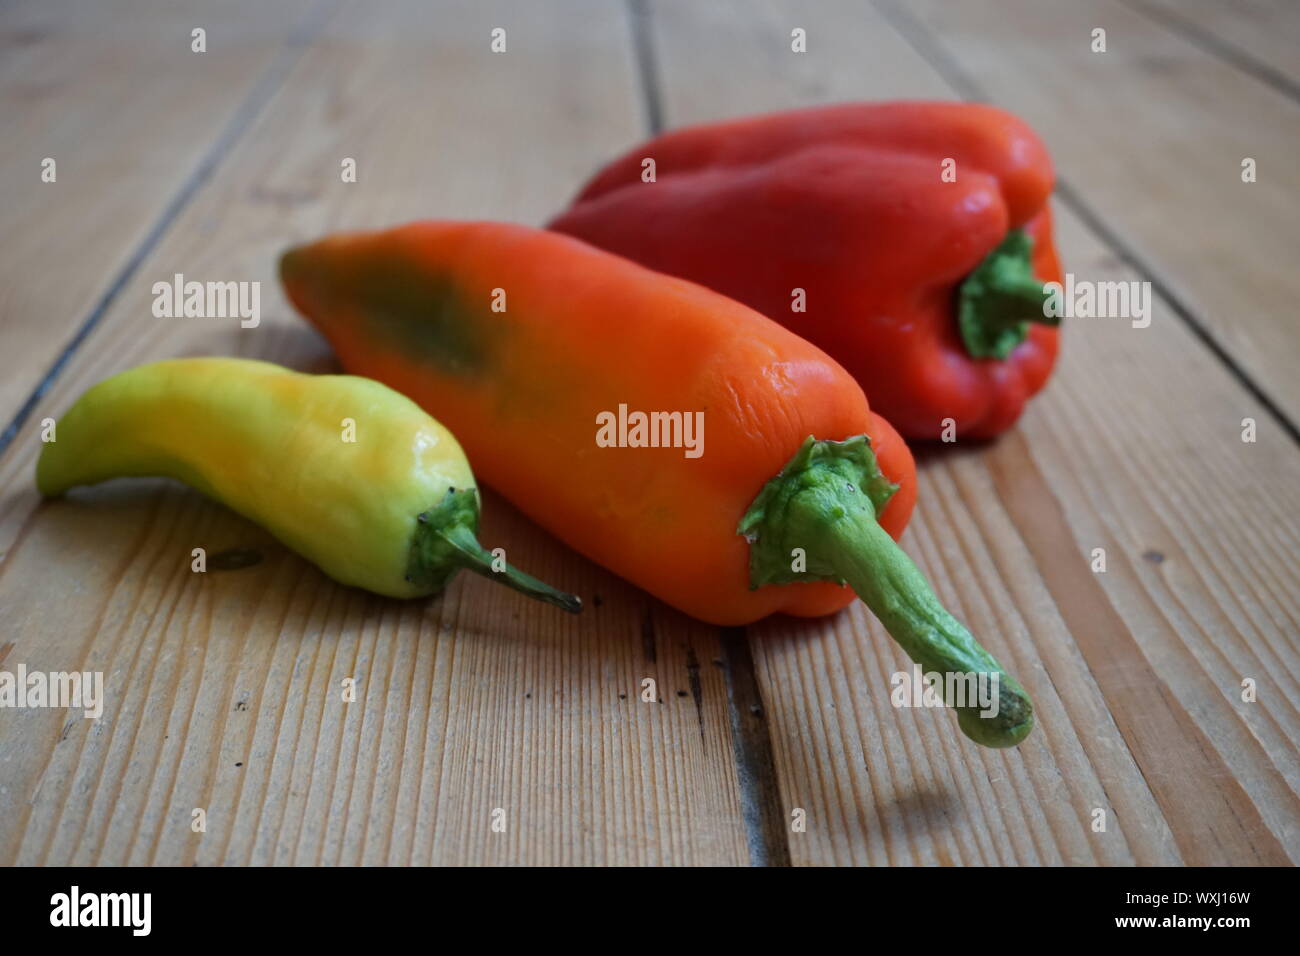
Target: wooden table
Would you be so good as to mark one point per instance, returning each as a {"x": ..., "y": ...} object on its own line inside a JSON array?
[{"x": 223, "y": 689}]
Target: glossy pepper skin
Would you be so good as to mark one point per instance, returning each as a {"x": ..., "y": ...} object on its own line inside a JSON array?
[
  {"x": 393, "y": 511},
  {"x": 847, "y": 203},
  {"x": 576, "y": 333}
]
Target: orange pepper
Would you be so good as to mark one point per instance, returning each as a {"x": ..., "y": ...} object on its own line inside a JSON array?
[{"x": 523, "y": 341}]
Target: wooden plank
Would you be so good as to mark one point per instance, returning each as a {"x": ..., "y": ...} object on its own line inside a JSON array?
[
  {"x": 115, "y": 96},
  {"x": 224, "y": 689},
  {"x": 1160, "y": 169},
  {"x": 1134, "y": 447},
  {"x": 1257, "y": 36}
]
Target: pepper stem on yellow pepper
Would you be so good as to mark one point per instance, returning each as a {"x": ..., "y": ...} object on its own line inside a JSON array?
[{"x": 446, "y": 541}]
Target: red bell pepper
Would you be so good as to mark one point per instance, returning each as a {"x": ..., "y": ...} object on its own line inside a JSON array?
[{"x": 916, "y": 237}]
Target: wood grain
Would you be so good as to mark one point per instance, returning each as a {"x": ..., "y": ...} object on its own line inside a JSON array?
[
  {"x": 133, "y": 118},
  {"x": 1136, "y": 673},
  {"x": 225, "y": 688}
]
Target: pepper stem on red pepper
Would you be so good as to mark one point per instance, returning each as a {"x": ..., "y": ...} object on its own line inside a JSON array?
[
  {"x": 997, "y": 302},
  {"x": 825, "y": 502},
  {"x": 446, "y": 541}
]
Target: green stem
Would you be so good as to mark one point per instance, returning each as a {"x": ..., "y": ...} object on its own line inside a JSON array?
[
  {"x": 479, "y": 560},
  {"x": 824, "y": 503},
  {"x": 998, "y": 301},
  {"x": 445, "y": 542}
]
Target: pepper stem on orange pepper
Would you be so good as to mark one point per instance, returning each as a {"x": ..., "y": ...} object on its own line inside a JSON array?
[
  {"x": 997, "y": 301},
  {"x": 825, "y": 502}
]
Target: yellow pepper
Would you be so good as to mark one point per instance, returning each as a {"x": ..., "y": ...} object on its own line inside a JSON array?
[{"x": 350, "y": 474}]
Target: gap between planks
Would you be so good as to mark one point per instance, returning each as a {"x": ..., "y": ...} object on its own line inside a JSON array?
[
  {"x": 298, "y": 39},
  {"x": 751, "y": 736}
]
